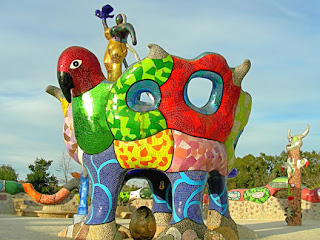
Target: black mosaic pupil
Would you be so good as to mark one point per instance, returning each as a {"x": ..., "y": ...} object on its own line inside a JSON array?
[{"x": 76, "y": 64}]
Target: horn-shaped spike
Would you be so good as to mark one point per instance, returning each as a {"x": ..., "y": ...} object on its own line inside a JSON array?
[
  {"x": 54, "y": 91},
  {"x": 57, "y": 93},
  {"x": 156, "y": 52},
  {"x": 305, "y": 133},
  {"x": 239, "y": 72},
  {"x": 289, "y": 134}
]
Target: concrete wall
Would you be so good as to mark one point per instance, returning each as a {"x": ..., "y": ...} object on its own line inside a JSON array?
[
  {"x": 273, "y": 208},
  {"x": 7, "y": 203}
]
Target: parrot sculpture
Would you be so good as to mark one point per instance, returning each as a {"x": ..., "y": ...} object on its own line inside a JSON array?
[{"x": 176, "y": 145}]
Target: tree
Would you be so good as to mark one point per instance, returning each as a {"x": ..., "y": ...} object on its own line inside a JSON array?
[
  {"x": 41, "y": 180},
  {"x": 65, "y": 166},
  {"x": 259, "y": 171},
  {"x": 310, "y": 175},
  {"x": 8, "y": 173}
]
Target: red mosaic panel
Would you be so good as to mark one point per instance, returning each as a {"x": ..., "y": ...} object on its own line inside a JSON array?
[{"x": 181, "y": 117}]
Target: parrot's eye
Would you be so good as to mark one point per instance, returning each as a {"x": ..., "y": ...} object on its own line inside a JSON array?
[{"x": 75, "y": 64}]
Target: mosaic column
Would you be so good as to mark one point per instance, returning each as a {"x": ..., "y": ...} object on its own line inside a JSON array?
[
  {"x": 218, "y": 193},
  {"x": 187, "y": 194},
  {"x": 106, "y": 176},
  {"x": 293, "y": 212},
  {"x": 83, "y": 192},
  {"x": 294, "y": 164}
]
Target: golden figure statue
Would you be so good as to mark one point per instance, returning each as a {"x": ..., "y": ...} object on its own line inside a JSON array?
[{"x": 117, "y": 47}]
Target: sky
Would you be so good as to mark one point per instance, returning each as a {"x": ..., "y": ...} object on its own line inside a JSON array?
[{"x": 281, "y": 39}]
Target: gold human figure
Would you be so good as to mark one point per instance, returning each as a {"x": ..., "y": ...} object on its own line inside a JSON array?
[{"x": 117, "y": 48}]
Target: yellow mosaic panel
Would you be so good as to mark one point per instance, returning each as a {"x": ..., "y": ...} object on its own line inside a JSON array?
[{"x": 155, "y": 151}]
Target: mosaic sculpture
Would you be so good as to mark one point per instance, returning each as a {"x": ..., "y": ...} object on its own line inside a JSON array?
[
  {"x": 294, "y": 165},
  {"x": 13, "y": 188},
  {"x": 262, "y": 194},
  {"x": 176, "y": 145}
]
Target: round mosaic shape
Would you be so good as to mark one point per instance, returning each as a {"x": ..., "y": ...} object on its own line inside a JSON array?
[
  {"x": 151, "y": 89},
  {"x": 125, "y": 123},
  {"x": 124, "y": 197},
  {"x": 214, "y": 101},
  {"x": 146, "y": 193},
  {"x": 234, "y": 195},
  {"x": 257, "y": 195}
]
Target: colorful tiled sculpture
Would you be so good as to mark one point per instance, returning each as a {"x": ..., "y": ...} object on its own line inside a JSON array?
[
  {"x": 177, "y": 146},
  {"x": 118, "y": 132},
  {"x": 294, "y": 165}
]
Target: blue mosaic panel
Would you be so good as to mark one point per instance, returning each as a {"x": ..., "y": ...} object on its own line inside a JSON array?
[
  {"x": 218, "y": 193},
  {"x": 187, "y": 194},
  {"x": 106, "y": 176},
  {"x": 162, "y": 197},
  {"x": 83, "y": 192}
]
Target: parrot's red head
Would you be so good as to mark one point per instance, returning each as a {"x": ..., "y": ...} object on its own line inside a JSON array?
[{"x": 78, "y": 71}]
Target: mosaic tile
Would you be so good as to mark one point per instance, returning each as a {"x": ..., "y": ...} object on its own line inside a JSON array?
[
  {"x": 153, "y": 152},
  {"x": 91, "y": 129},
  {"x": 240, "y": 121},
  {"x": 125, "y": 123},
  {"x": 193, "y": 153},
  {"x": 181, "y": 117},
  {"x": 187, "y": 194}
]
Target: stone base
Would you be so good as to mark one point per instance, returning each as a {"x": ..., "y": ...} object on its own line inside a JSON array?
[
  {"x": 226, "y": 232},
  {"x": 162, "y": 220},
  {"x": 125, "y": 215},
  {"x": 83, "y": 231},
  {"x": 78, "y": 218},
  {"x": 215, "y": 219},
  {"x": 188, "y": 229}
]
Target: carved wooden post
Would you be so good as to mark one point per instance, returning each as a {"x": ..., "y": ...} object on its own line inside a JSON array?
[{"x": 294, "y": 165}]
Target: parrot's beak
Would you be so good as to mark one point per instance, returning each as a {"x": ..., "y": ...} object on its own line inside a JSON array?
[{"x": 66, "y": 84}]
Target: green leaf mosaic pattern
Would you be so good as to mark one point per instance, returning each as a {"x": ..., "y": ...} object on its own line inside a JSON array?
[
  {"x": 248, "y": 194},
  {"x": 126, "y": 124},
  {"x": 240, "y": 121},
  {"x": 89, "y": 115}
]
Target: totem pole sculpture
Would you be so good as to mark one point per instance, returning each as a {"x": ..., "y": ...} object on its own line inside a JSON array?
[
  {"x": 174, "y": 144},
  {"x": 293, "y": 166}
]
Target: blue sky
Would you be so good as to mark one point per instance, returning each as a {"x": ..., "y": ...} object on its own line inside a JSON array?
[{"x": 281, "y": 38}]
